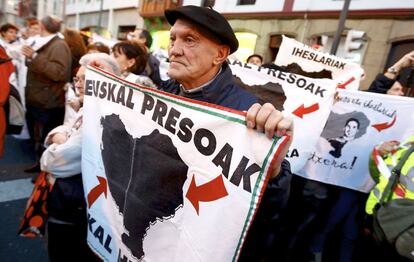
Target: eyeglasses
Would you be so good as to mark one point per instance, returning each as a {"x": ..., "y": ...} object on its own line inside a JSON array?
[{"x": 78, "y": 79}]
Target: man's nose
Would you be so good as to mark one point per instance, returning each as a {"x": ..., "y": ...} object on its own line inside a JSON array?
[{"x": 176, "y": 48}]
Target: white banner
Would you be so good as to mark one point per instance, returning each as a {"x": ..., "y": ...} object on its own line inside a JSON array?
[
  {"x": 358, "y": 122},
  {"x": 168, "y": 178},
  {"x": 304, "y": 60},
  {"x": 308, "y": 101}
]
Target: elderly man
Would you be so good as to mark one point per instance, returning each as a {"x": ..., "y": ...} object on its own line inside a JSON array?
[
  {"x": 48, "y": 71},
  {"x": 200, "y": 42}
]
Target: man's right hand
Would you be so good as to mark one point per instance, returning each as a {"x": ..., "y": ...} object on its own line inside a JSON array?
[{"x": 271, "y": 121}]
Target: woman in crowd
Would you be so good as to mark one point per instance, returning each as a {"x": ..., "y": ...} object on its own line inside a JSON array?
[
  {"x": 67, "y": 224},
  {"x": 132, "y": 59}
]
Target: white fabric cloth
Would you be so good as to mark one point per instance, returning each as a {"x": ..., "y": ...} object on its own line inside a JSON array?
[
  {"x": 70, "y": 113},
  {"x": 64, "y": 160}
]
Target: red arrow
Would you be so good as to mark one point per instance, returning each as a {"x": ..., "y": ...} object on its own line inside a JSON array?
[
  {"x": 207, "y": 192},
  {"x": 343, "y": 85},
  {"x": 385, "y": 125},
  {"x": 97, "y": 191},
  {"x": 302, "y": 110}
]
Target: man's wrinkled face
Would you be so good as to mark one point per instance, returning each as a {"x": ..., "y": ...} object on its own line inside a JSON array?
[
  {"x": 10, "y": 35},
  {"x": 191, "y": 54}
]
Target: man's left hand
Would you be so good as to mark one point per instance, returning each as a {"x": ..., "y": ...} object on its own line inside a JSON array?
[{"x": 271, "y": 121}]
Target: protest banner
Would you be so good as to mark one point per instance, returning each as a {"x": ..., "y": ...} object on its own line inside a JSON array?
[
  {"x": 308, "y": 101},
  {"x": 358, "y": 122},
  {"x": 304, "y": 60},
  {"x": 168, "y": 178}
]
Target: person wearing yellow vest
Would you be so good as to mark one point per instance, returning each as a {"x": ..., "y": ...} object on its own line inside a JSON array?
[{"x": 383, "y": 159}]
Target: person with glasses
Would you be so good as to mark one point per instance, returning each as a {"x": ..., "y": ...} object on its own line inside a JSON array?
[{"x": 66, "y": 205}]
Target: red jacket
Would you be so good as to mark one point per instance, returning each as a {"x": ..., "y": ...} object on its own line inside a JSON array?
[{"x": 6, "y": 69}]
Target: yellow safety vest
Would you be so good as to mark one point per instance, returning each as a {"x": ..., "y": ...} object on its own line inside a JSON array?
[{"x": 405, "y": 187}]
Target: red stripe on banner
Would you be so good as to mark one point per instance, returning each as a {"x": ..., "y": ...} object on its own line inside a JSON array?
[
  {"x": 241, "y": 113},
  {"x": 375, "y": 154}
]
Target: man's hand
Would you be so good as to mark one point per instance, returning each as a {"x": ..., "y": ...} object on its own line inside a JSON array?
[
  {"x": 387, "y": 147},
  {"x": 27, "y": 51},
  {"x": 406, "y": 61},
  {"x": 75, "y": 104},
  {"x": 59, "y": 138},
  {"x": 271, "y": 121},
  {"x": 102, "y": 65}
]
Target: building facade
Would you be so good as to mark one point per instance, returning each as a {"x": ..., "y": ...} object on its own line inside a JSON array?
[
  {"x": 117, "y": 17},
  {"x": 259, "y": 24}
]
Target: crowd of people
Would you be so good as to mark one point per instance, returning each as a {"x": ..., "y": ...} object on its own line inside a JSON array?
[{"x": 298, "y": 219}]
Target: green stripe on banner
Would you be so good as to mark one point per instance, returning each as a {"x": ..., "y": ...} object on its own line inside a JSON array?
[
  {"x": 229, "y": 118},
  {"x": 254, "y": 196}
]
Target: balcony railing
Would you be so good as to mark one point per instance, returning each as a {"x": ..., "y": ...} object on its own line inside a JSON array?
[{"x": 149, "y": 8}]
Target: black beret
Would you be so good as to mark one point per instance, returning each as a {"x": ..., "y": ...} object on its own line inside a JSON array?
[{"x": 208, "y": 19}]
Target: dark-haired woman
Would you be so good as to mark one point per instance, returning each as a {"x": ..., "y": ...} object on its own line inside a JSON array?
[{"x": 132, "y": 59}]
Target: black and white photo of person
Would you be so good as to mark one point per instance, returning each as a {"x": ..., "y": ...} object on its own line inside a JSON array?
[
  {"x": 351, "y": 128},
  {"x": 341, "y": 130}
]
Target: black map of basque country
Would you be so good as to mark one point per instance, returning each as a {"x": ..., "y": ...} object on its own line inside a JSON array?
[
  {"x": 145, "y": 177},
  {"x": 296, "y": 69},
  {"x": 268, "y": 93}
]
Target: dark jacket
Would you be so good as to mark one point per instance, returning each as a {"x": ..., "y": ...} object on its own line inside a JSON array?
[
  {"x": 224, "y": 92},
  {"x": 381, "y": 84},
  {"x": 152, "y": 69},
  {"x": 221, "y": 91},
  {"x": 47, "y": 74}
]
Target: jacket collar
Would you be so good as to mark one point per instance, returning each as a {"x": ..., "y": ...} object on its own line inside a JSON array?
[{"x": 212, "y": 91}]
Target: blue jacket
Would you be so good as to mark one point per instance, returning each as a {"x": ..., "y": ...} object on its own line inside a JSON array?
[
  {"x": 221, "y": 91},
  {"x": 224, "y": 92}
]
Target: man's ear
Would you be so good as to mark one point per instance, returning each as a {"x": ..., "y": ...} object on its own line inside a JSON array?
[{"x": 222, "y": 54}]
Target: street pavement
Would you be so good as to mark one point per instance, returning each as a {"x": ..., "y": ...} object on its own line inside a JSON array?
[{"x": 15, "y": 188}]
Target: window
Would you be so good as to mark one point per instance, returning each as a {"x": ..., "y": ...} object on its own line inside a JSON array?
[
  {"x": 247, "y": 45},
  {"x": 274, "y": 44},
  {"x": 246, "y": 2},
  {"x": 160, "y": 39}
]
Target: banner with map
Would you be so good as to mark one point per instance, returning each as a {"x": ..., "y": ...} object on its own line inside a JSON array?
[
  {"x": 307, "y": 101},
  {"x": 168, "y": 178},
  {"x": 301, "y": 59},
  {"x": 358, "y": 122}
]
